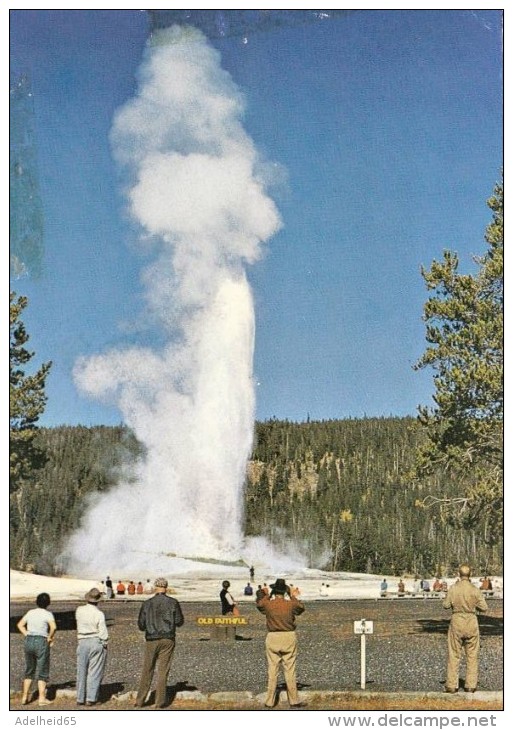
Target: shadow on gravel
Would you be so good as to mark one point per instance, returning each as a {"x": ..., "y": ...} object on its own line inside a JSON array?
[
  {"x": 488, "y": 626},
  {"x": 282, "y": 687},
  {"x": 65, "y": 621},
  {"x": 107, "y": 691},
  {"x": 171, "y": 693},
  {"x": 179, "y": 687},
  {"x": 226, "y": 641},
  {"x": 54, "y": 688}
]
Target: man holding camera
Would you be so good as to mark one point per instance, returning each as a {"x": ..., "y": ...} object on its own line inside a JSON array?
[{"x": 281, "y": 608}]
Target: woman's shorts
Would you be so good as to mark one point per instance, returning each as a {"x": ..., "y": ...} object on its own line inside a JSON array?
[{"x": 37, "y": 658}]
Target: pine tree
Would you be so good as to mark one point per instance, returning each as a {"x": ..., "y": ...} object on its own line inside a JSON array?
[
  {"x": 465, "y": 335},
  {"x": 27, "y": 398}
]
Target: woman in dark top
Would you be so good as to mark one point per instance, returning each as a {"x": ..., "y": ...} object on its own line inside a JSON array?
[{"x": 227, "y": 602}]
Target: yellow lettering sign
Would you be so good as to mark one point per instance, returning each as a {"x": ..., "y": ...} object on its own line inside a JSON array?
[{"x": 221, "y": 620}]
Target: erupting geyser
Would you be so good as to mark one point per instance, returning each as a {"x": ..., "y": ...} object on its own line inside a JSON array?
[{"x": 194, "y": 186}]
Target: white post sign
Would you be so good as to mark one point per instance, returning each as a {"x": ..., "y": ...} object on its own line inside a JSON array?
[{"x": 363, "y": 628}]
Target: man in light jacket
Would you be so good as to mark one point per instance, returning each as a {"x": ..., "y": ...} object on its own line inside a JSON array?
[
  {"x": 92, "y": 638},
  {"x": 464, "y": 599}
]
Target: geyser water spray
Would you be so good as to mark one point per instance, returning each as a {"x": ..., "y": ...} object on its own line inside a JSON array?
[{"x": 194, "y": 188}]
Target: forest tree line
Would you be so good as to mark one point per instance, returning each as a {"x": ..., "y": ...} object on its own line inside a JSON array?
[
  {"x": 390, "y": 495},
  {"x": 343, "y": 493}
]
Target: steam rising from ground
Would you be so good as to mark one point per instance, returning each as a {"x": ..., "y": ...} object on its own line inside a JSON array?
[{"x": 194, "y": 186}]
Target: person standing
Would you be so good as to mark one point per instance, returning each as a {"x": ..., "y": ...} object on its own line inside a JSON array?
[
  {"x": 109, "y": 587},
  {"x": 486, "y": 584},
  {"x": 227, "y": 602},
  {"x": 92, "y": 636},
  {"x": 437, "y": 585},
  {"x": 281, "y": 608},
  {"x": 38, "y": 627},
  {"x": 158, "y": 618},
  {"x": 464, "y": 599}
]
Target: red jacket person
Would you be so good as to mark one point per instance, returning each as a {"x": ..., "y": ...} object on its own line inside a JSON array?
[{"x": 281, "y": 608}]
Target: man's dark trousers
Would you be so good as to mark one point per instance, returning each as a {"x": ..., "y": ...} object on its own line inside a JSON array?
[{"x": 158, "y": 652}]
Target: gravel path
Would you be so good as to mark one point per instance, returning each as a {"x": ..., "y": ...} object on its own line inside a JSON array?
[{"x": 407, "y": 651}]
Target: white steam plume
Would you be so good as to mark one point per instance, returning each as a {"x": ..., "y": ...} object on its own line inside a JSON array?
[{"x": 194, "y": 187}]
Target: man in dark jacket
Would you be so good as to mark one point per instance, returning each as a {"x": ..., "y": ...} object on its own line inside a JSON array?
[{"x": 158, "y": 618}]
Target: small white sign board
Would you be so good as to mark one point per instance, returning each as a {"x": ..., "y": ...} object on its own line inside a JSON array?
[{"x": 364, "y": 627}]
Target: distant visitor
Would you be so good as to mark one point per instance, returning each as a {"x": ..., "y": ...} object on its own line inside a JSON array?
[{"x": 227, "y": 602}]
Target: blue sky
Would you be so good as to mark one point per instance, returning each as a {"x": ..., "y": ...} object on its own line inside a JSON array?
[{"x": 387, "y": 129}]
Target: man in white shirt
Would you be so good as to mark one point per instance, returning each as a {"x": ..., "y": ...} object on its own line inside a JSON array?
[{"x": 92, "y": 637}]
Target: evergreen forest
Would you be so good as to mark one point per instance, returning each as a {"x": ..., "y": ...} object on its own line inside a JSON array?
[{"x": 344, "y": 493}]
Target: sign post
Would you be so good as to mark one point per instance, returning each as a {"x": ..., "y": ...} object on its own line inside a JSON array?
[{"x": 363, "y": 628}]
